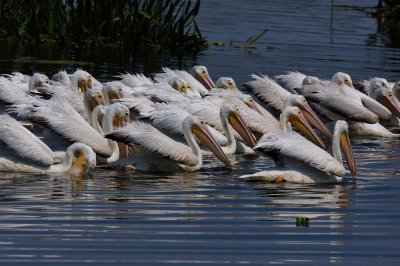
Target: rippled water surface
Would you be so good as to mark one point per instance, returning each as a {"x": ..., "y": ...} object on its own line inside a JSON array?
[{"x": 212, "y": 217}]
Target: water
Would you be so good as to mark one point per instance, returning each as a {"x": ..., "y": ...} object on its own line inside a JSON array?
[{"x": 212, "y": 217}]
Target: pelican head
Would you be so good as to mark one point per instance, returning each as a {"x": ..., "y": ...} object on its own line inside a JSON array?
[
  {"x": 180, "y": 85},
  {"x": 294, "y": 116},
  {"x": 386, "y": 97},
  {"x": 62, "y": 77},
  {"x": 248, "y": 100},
  {"x": 98, "y": 115},
  {"x": 118, "y": 114},
  {"x": 112, "y": 91},
  {"x": 341, "y": 141},
  {"x": 83, "y": 158},
  {"x": 92, "y": 98},
  {"x": 309, "y": 114},
  {"x": 237, "y": 123},
  {"x": 82, "y": 80},
  {"x": 396, "y": 89},
  {"x": 376, "y": 83},
  {"x": 226, "y": 83},
  {"x": 200, "y": 130},
  {"x": 342, "y": 79},
  {"x": 38, "y": 82},
  {"x": 201, "y": 74},
  {"x": 310, "y": 80}
]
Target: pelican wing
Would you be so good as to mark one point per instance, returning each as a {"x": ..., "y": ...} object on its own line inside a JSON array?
[
  {"x": 374, "y": 106},
  {"x": 291, "y": 145},
  {"x": 257, "y": 122},
  {"x": 12, "y": 94},
  {"x": 152, "y": 140},
  {"x": 339, "y": 104},
  {"x": 24, "y": 143},
  {"x": 167, "y": 117},
  {"x": 268, "y": 91},
  {"x": 135, "y": 80},
  {"x": 291, "y": 80},
  {"x": 71, "y": 128},
  {"x": 206, "y": 111}
]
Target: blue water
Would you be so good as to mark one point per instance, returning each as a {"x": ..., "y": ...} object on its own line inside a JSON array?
[{"x": 212, "y": 217}]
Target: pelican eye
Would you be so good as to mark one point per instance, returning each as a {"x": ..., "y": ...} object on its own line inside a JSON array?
[
  {"x": 204, "y": 71},
  {"x": 202, "y": 122},
  {"x": 91, "y": 167},
  {"x": 390, "y": 94}
]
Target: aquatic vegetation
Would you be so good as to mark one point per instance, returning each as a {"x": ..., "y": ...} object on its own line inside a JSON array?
[
  {"x": 388, "y": 15},
  {"x": 163, "y": 25}
]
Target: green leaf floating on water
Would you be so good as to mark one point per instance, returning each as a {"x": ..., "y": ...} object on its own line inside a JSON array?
[
  {"x": 302, "y": 221},
  {"x": 256, "y": 37}
]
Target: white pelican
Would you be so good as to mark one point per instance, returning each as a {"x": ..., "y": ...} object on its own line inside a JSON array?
[
  {"x": 201, "y": 74},
  {"x": 168, "y": 74},
  {"x": 22, "y": 151},
  {"x": 341, "y": 83},
  {"x": 300, "y": 161},
  {"x": 227, "y": 120},
  {"x": 291, "y": 80},
  {"x": 226, "y": 83},
  {"x": 169, "y": 118},
  {"x": 380, "y": 91},
  {"x": 91, "y": 99},
  {"x": 83, "y": 81},
  {"x": 154, "y": 151},
  {"x": 268, "y": 92},
  {"x": 277, "y": 98},
  {"x": 61, "y": 78},
  {"x": 61, "y": 118}
]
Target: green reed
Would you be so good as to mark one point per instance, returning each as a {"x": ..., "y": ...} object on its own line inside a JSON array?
[{"x": 153, "y": 24}]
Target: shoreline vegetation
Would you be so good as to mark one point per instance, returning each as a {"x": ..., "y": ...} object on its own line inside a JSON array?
[
  {"x": 160, "y": 25},
  {"x": 388, "y": 15}
]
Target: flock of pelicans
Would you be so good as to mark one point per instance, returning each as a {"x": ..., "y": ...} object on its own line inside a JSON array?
[{"x": 73, "y": 123}]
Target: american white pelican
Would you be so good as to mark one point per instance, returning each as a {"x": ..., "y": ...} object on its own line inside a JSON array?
[
  {"x": 169, "y": 119},
  {"x": 61, "y": 118},
  {"x": 341, "y": 83},
  {"x": 277, "y": 98},
  {"x": 300, "y": 161},
  {"x": 115, "y": 116},
  {"x": 227, "y": 120},
  {"x": 292, "y": 116},
  {"x": 91, "y": 99},
  {"x": 22, "y": 151},
  {"x": 83, "y": 81},
  {"x": 379, "y": 90},
  {"x": 114, "y": 90},
  {"x": 61, "y": 78},
  {"x": 291, "y": 80},
  {"x": 201, "y": 74},
  {"x": 169, "y": 74},
  {"x": 268, "y": 92},
  {"x": 226, "y": 83},
  {"x": 154, "y": 151}
]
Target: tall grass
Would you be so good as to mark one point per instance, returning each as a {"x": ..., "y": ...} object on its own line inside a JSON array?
[{"x": 139, "y": 24}]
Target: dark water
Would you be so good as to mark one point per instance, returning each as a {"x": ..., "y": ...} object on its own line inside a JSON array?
[{"x": 211, "y": 217}]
